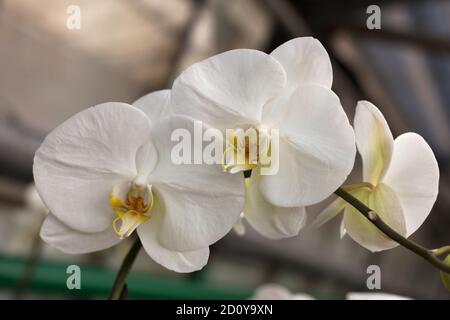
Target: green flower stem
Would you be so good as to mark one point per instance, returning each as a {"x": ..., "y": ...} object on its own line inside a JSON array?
[
  {"x": 440, "y": 251},
  {"x": 30, "y": 267},
  {"x": 125, "y": 268},
  {"x": 430, "y": 255}
]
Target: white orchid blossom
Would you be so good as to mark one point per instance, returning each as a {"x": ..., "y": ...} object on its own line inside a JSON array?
[
  {"x": 400, "y": 182},
  {"x": 107, "y": 171},
  {"x": 290, "y": 91}
]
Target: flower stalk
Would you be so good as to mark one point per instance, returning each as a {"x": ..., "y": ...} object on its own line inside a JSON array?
[
  {"x": 430, "y": 255},
  {"x": 441, "y": 251},
  {"x": 29, "y": 268},
  {"x": 125, "y": 268}
]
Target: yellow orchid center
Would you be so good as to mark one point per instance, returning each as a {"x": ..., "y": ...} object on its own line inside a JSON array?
[
  {"x": 131, "y": 206},
  {"x": 245, "y": 149}
]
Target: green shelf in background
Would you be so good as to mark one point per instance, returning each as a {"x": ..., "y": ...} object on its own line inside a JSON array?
[{"x": 50, "y": 278}]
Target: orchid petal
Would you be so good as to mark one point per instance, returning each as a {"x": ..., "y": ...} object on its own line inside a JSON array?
[
  {"x": 374, "y": 296},
  {"x": 81, "y": 160},
  {"x": 187, "y": 261},
  {"x": 200, "y": 202},
  {"x": 269, "y": 220},
  {"x": 70, "y": 241},
  {"x": 305, "y": 61},
  {"x": 374, "y": 141},
  {"x": 229, "y": 89},
  {"x": 414, "y": 176},
  {"x": 331, "y": 211},
  {"x": 155, "y": 105},
  {"x": 316, "y": 149},
  {"x": 386, "y": 204}
]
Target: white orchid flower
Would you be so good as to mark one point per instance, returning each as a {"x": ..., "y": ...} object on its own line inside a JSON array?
[
  {"x": 288, "y": 90},
  {"x": 107, "y": 171},
  {"x": 401, "y": 180}
]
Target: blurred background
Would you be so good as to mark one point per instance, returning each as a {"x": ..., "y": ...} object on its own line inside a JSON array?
[{"x": 127, "y": 48}]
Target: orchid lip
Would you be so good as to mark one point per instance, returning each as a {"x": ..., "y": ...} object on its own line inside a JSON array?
[{"x": 132, "y": 209}]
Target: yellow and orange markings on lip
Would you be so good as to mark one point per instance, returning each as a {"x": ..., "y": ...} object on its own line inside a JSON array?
[{"x": 132, "y": 211}]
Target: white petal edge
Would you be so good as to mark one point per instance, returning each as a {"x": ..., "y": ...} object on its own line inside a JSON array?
[
  {"x": 80, "y": 161},
  {"x": 374, "y": 296},
  {"x": 155, "y": 105},
  {"x": 277, "y": 292},
  {"x": 182, "y": 262},
  {"x": 70, "y": 241},
  {"x": 271, "y": 221},
  {"x": 228, "y": 89},
  {"x": 327, "y": 214},
  {"x": 414, "y": 176},
  {"x": 316, "y": 149},
  {"x": 302, "y": 296},
  {"x": 374, "y": 141},
  {"x": 305, "y": 61},
  {"x": 272, "y": 292}
]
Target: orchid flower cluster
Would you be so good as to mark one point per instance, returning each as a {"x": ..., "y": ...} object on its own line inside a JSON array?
[{"x": 107, "y": 172}]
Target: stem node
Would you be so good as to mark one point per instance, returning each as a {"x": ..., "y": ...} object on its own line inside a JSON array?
[{"x": 372, "y": 215}]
